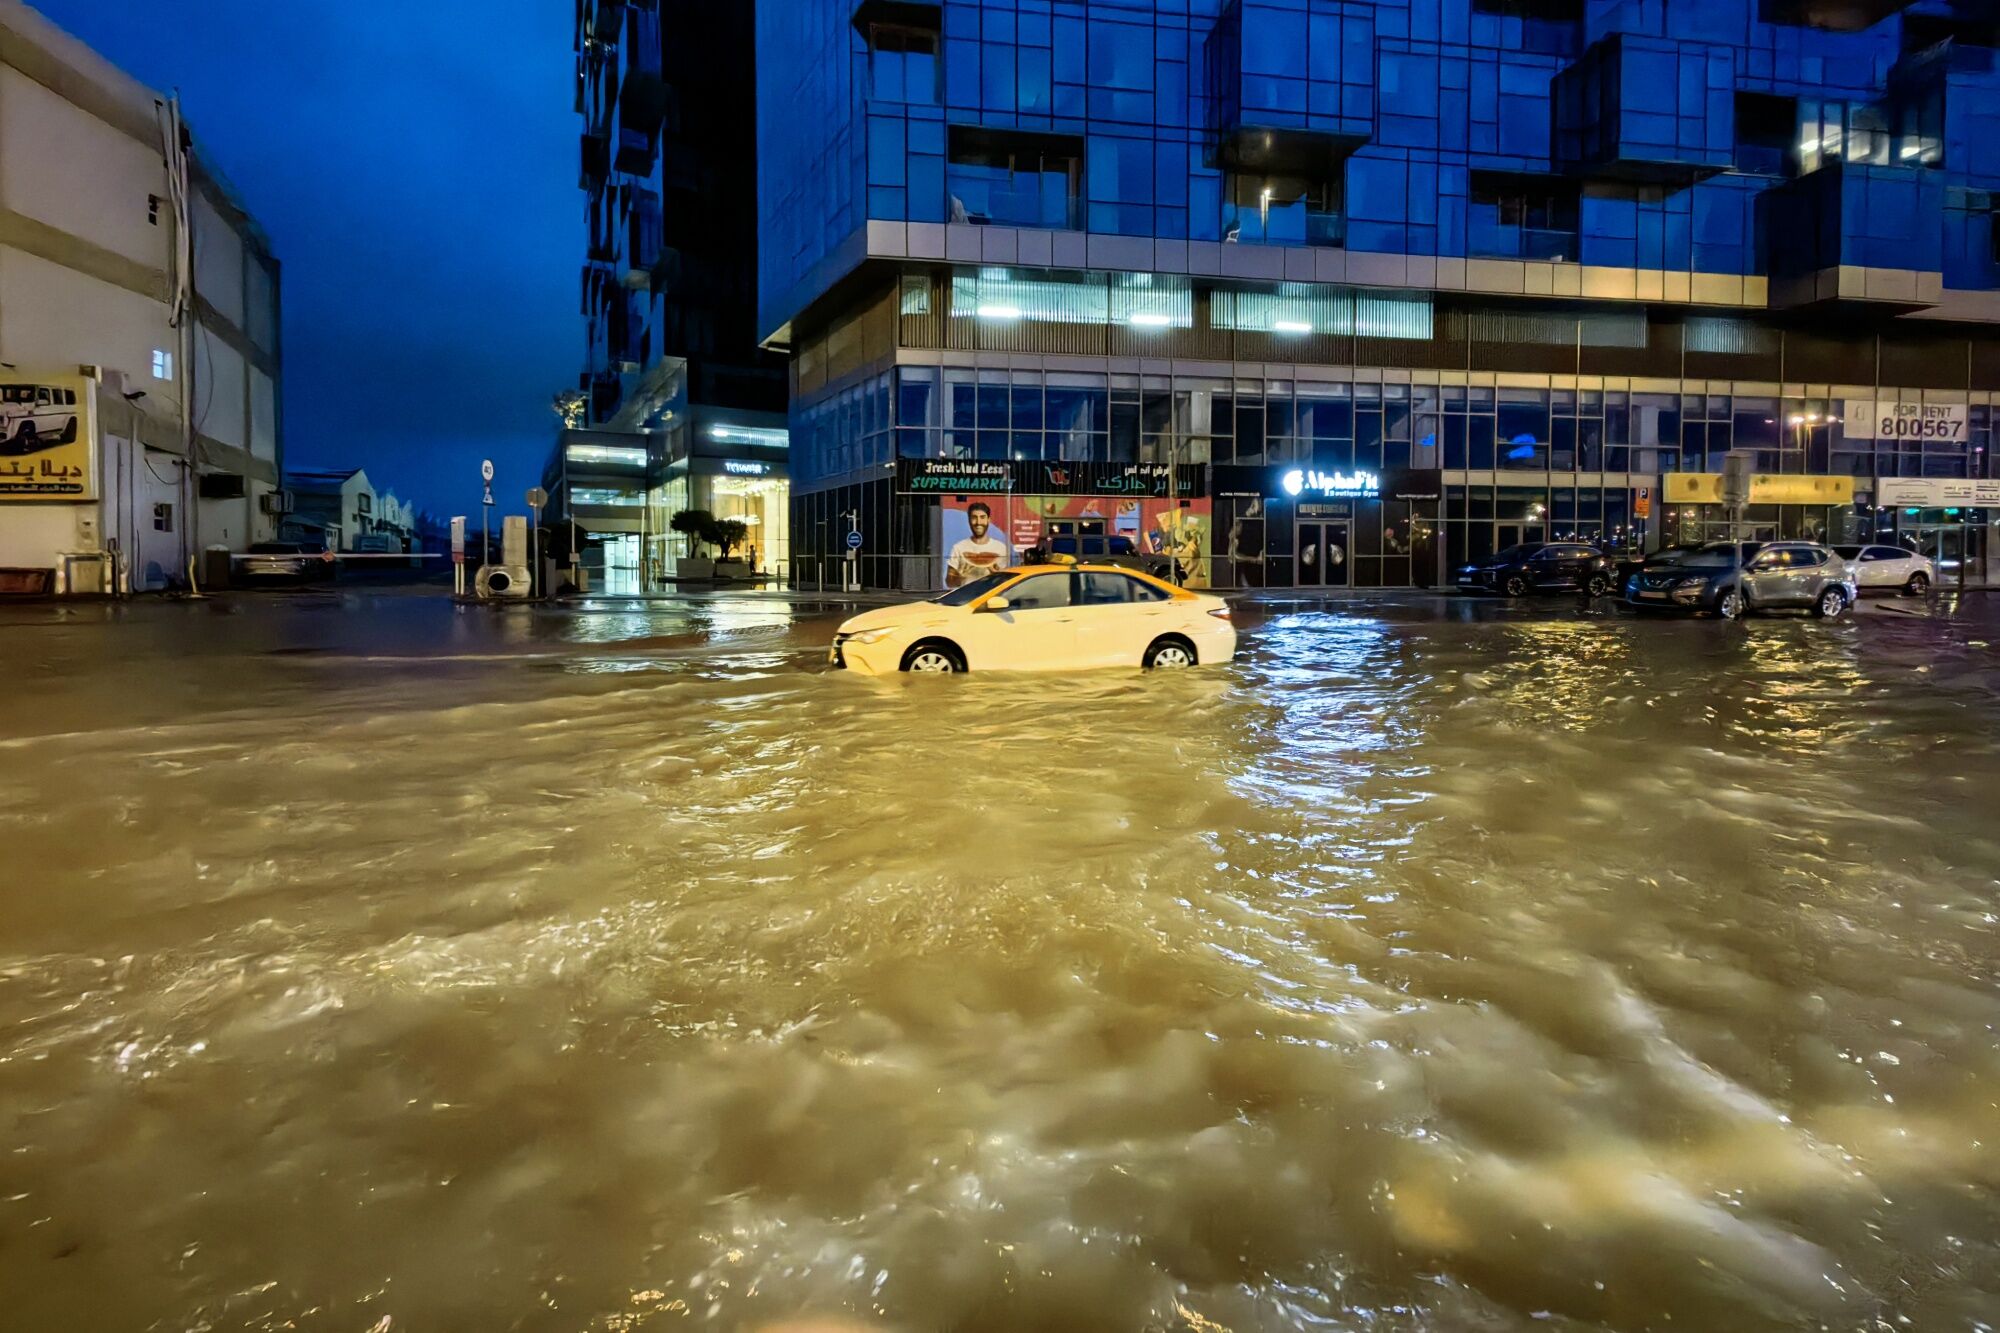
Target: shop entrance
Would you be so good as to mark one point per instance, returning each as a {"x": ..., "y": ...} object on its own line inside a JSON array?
[{"x": 1323, "y": 551}]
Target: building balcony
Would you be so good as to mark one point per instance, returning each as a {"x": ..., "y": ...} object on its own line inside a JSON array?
[
  {"x": 1282, "y": 224},
  {"x": 1855, "y": 234},
  {"x": 1646, "y": 111},
  {"x": 1280, "y": 81},
  {"x": 642, "y": 84},
  {"x": 599, "y": 20},
  {"x": 596, "y": 161},
  {"x": 1833, "y": 15},
  {"x": 1548, "y": 244},
  {"x": 605, "y": 392},
  {"x": 636, "y": 150},
  {"x": 643, "y": 244}
]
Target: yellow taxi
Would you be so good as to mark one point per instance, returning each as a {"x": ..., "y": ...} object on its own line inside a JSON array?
[{"x": 1049, "y": 617}]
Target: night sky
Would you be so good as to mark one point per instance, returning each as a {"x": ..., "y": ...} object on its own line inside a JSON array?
[{"x": 415, "y": 166}]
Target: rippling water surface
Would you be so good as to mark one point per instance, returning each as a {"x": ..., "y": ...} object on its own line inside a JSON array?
[{"x": 368, "y": 965}]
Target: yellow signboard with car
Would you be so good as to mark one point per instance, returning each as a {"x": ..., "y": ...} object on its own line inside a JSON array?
[{"x": 45, "y": 437}]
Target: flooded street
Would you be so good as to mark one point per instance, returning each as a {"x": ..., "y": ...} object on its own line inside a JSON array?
[{"x": 371, "y": 964}]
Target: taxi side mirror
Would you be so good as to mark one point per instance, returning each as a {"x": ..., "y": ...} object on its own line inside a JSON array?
[{"x": 995, "y": 604}]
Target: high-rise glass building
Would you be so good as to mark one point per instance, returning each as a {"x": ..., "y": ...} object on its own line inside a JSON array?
[
  {"x": 678, "y": 407},
  {"x": 1332, "y": 292}
]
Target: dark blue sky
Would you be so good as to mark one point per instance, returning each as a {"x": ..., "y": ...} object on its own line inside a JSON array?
[{"x": 415, "y": 165}]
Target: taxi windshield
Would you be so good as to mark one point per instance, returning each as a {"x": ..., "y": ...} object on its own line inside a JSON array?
[{"x": 973, "y": 591}]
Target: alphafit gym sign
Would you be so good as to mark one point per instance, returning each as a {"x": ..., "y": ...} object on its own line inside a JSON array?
[{"x": 1313, "y": 484}]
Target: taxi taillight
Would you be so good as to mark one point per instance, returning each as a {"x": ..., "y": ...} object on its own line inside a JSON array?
[{"x": 1220, "y": 613}]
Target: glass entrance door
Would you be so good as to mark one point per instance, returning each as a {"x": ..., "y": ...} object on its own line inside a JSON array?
[{"x": 1322, "y": 558}]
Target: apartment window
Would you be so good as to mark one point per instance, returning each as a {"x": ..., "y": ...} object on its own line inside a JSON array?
[
  {"x": 163, "y": 518},
  {"x": 1015, "y": 180},
  {"x": 1282, "y": 210},
  {"x": 1522, "y": 217},
  {"x": 163, "y": 364},
  {"x": 1907, "y": 134},
  {"x": 1766, "y": 134},
  {"x": 364, "y": 504},
  {"x": 902, "y": 64}
]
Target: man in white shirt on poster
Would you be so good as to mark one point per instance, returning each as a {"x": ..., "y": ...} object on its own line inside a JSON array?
[{"x": 981, "y": 553}]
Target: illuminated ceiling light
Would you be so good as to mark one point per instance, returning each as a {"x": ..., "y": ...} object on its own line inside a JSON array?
[
  {"x": 999, "y": 312},
  {"x": 1290, "y": 326},
  {"x": 1152, "y": 320}
]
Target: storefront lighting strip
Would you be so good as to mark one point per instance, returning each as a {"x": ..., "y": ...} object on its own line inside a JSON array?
[
  {"x": 606, "y": 453},
  {"x": 747, "y": 435}
]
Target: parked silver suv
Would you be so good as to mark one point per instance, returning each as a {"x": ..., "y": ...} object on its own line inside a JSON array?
[{"x": 1731, "y": 578}]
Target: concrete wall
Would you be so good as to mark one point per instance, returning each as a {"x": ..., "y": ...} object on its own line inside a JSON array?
[
  {"x": 62, "y": 166},
  {"x": 218, "y": 261},
  {"x": 55, "y": 318},
  {"x": 86, "y": 246}
]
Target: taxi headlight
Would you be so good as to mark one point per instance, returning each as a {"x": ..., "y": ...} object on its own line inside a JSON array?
[{"x": 866, "y": 635}]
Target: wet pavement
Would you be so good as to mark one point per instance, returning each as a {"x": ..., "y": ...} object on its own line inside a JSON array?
[{"x": 371, "y": 963}]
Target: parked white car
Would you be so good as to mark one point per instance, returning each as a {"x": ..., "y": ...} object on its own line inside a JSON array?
[
  {"x": 36, "y": 416},
  {"x": 1879, "y": 567}
]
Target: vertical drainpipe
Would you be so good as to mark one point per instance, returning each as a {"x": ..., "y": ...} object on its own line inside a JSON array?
[{"x": 181, "y": 304}]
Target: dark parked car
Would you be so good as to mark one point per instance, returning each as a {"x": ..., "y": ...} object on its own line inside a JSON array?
[
  {"x": 1540, "y": 567},
  {"x": 1728, "y": 579},
  {"x": 284, "y": 562},
  {"x": 1098, "y": 548},
  {"x": 1628, "y": 565}
]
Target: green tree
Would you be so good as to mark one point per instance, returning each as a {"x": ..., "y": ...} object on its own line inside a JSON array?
[
  {"x": 730, "y": 533},
  {"x": 697, "y": 525}
]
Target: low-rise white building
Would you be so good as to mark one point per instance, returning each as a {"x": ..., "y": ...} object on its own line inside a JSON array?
[{"x": 113, "y": 485}]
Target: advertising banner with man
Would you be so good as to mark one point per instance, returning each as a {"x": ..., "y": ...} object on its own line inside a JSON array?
[
  {"x": 981, "y": 533},
  {"x": 46, "y": 436}
]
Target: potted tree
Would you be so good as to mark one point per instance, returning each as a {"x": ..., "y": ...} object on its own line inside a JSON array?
[
  {"x": 728, "y": 534},
  {"x": 698, "y": 526}
]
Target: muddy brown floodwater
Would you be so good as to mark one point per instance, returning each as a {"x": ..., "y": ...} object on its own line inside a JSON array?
[{"x": 371, "y": 965}]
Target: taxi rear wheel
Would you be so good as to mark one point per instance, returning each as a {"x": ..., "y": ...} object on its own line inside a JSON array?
[
  {"x": 934, "y": 657},
  {"x": 1169, "y": 652}
]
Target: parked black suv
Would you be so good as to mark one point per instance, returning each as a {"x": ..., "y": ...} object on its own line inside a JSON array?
[
  {"x": 1728, "y": 579},
  {"x": 1540, "y": 567},
  {"x": 1100, "y": 549}
]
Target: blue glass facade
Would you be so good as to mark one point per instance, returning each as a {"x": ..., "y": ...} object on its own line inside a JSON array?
[{"x": 1723, "y": 198}]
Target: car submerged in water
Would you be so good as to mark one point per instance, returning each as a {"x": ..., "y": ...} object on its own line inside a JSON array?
[
  {"x": 1731, "y": 579},
  {"x": 1048, "y": 617}
]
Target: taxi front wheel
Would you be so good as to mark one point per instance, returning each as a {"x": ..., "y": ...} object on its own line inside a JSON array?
[
  {"x": 1168, "y": 652},
  {"x": 934, "y": 658}
]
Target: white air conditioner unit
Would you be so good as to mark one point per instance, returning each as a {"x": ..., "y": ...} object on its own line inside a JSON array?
[{"x": 275, "y": 502}]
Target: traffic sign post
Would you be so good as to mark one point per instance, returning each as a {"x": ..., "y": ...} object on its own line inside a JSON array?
[
  {"x": 458, "y": 555},
  {"x": 537, "y": 498},
  {"x": 854, "y": 541},
  {"x": 485, "y": 512}
]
